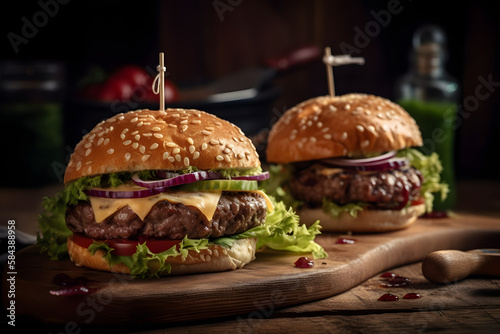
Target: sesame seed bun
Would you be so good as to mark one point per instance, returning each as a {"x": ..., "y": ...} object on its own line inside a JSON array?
[
  {"x": 212, "y": 259},
  {"x": 365, "y": 221},
  {"x": 349, "y": 125},
  {"x": 173, "y": 139}
]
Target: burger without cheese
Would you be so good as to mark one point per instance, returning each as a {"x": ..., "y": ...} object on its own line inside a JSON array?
[
  {"x": 347, "y": 161},
  {"x": 165, "y": 192}
]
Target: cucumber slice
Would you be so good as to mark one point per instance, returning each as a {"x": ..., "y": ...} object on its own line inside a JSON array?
[{"x": 224, "y": 185}]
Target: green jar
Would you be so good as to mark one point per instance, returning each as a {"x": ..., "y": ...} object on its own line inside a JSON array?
[{"x": 31, "y": 96}]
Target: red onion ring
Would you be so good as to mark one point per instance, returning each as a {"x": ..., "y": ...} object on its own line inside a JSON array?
[
  {"x": 176, "y": 180},
  {"x": 363, "y": 161}
]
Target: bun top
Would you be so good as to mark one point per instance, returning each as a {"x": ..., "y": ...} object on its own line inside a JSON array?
[
  {"x": 173, "y": 139},
  {"x": 351, "y": 125}
]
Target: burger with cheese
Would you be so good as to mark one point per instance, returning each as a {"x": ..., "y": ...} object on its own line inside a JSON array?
[
  {"x": 347, "y": 161},
  {"x": 166, "y": 192}
]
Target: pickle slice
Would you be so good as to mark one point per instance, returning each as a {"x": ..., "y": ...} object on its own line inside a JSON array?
[{"x": 224, "y": 185}]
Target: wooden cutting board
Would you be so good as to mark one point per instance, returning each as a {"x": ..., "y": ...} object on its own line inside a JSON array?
[{"x": 270, "y": 282}]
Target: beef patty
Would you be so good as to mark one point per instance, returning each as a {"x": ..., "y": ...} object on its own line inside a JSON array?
[
  {"x": 382, "y": 189},
  {"x": 236, "y": 212}
]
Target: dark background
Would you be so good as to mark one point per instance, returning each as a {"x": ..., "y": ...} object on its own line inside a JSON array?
[{"x": 201, "y": 45}]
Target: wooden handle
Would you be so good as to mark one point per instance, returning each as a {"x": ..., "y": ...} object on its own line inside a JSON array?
[{"x": 448, "y": 266}]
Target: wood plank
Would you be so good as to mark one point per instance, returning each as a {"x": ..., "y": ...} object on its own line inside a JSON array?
[{"x": 265, "y": 285}]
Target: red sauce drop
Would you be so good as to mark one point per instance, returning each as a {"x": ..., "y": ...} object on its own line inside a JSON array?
[
  {"x": 345, "y": 241},
  {"x": 396, "y": 282},
  {"x": 304, "y": 262},
  {"x": 73, "y": 286},
  {"x": 388, "y": 297},
  {"x": 388, "y": 275},
  {"x": 412, "y": 295}
]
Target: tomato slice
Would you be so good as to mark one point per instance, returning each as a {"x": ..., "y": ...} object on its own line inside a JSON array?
[{"x": 128, "y": 247}]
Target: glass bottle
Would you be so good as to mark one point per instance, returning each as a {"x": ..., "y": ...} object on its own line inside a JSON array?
[{"x": 431, "y": 96}]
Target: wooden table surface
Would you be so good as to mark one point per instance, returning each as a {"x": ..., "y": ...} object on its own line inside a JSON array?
[{"x": 471, "y": 305}]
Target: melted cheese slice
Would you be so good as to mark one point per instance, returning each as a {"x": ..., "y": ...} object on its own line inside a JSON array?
[{"x": 205, "y": 201}]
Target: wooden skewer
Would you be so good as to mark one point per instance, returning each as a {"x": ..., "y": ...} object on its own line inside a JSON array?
[
  {"x": 329, "y": 70},
  {"x": 162, "y": 82}
]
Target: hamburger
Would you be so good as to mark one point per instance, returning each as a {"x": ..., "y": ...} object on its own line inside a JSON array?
[
  {"x": 150, "y": 193},
  {"x": 349, "y": 161}
]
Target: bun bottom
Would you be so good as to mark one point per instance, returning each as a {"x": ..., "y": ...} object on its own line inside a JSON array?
[
  {"x": 214, "y": 258},
  {"x": 366, "y": 220}
]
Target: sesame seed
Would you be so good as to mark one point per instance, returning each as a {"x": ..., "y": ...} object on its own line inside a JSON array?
[
  {"x": 147, "y": 134},
  {"x": 165, "y": 155},
  {"x": 176, "y": 150},
  {"x": 327, "y": 136},
  {"x": 110, "y": 151},
  {"x": 190, "y": 140},
  {"x": 156, "y": 128},
  {"x": 172, "y": 125},
  {"x": 365, "y": 143},
  {"x": 196, "y": 155},
  {"x": 344, "y": 136},
  {"x": 127, "y": 156},
  {"x": 88, "y": 145},
  {"x": 153, "y": 146},
  {"x": 227, "y": 158},
  {"x": 140, "y": 123},
  {"x": 379, "y": 115},
  {"x": 106, "y": 141},
  {"x": 171, "y": 144},
  {"x": 239, "y": 156},
  {"x": 142, "y": 149},
  {"x": 360, "y": 128},
  {"x": 206, "y": 133},
  {"x": 158, "y": 135},
  {"x": 186, "y": 161},
  {"x": 319, "y": 124},
  {"x": 127, "y": 142},
  {"x": 219, "y": 158},
  {"x": 171, "y": 159},
  {"x": 178, "y": 157},
  {"x": 214, "y": 142},
  {"x": 135, "y": 145},
  {"x": 226, "y": 150},
  {"x": 191, "y": 149},
  {"x": 99, "y": 142},
  {"x": 133, "y": 120},
  {"x": 122, "y": 136},
  {"x": 312, "y": 139},
  {"x": 125, "y": 131},
  {"x": 204, "y": 146},
  {"x": 347, "y": 107},
  {"x": 196, "y": 121},
  {"x": 78, "y": 165},
  {"x": 332, "y": 108},
  {"x": 137, "y": 137},
  {"x": 88, "y": 152},
  {"x": 184, "y": 128},
  {"x": 145, "y": 157},
  {"x": 209, "y": 128},
  {"x": 371, "y": 128}
]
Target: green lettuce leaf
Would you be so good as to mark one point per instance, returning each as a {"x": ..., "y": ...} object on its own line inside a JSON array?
[
  {"x": 335, "y": 209},
  {"x": 282, "y": 231},
  {"x": 430, "y": 166},
  {"x": 146, "y": 264}
]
